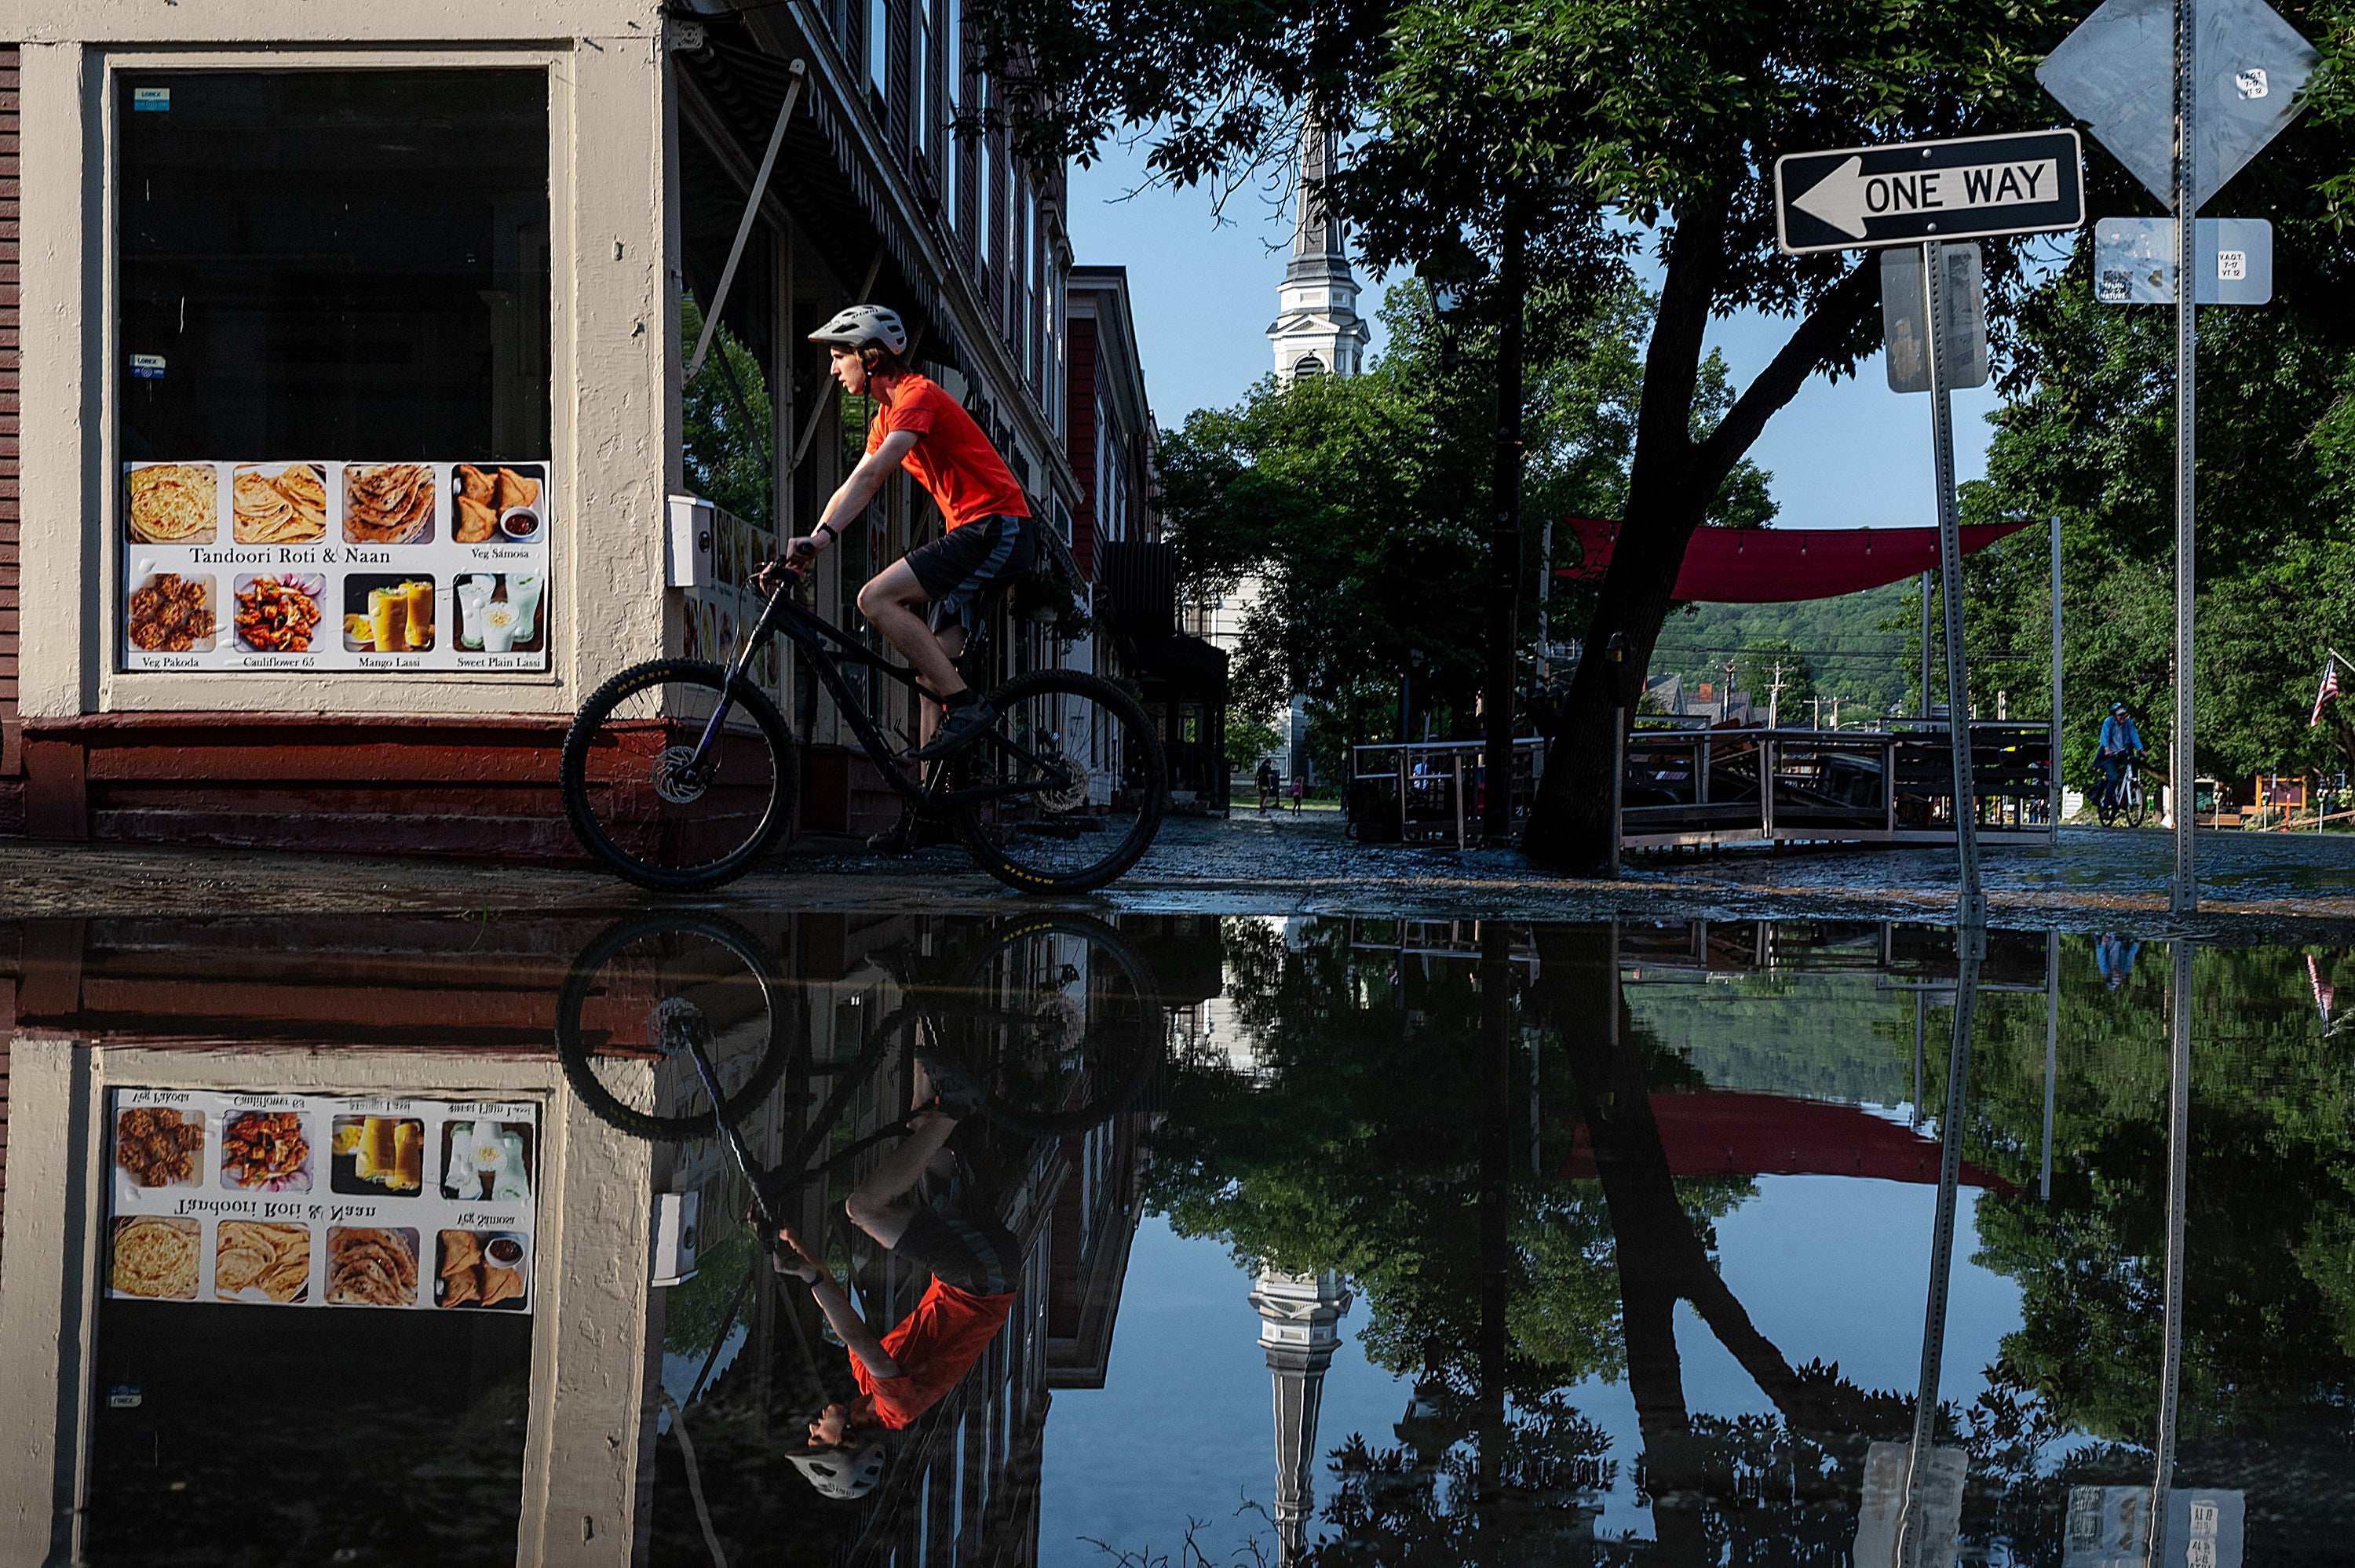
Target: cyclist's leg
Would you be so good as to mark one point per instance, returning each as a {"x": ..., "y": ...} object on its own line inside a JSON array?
[
  {"x": 888, "y": 602},
  {"x": 877, "y": 1206}
]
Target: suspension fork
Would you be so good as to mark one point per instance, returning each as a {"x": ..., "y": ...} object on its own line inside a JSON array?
[{"x": 740, "y": 670}]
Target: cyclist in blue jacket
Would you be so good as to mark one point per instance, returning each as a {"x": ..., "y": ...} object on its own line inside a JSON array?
[{"x": 2120, "y": 744}]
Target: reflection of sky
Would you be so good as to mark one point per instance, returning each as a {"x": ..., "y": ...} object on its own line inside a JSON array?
[{"x": 1829, "y": 1268}]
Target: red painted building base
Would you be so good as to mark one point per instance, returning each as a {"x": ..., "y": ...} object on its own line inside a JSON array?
[{"x": 483, "y": 788}]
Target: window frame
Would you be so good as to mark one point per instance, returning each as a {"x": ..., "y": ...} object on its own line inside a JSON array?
[{"x": 109, "y": 687}]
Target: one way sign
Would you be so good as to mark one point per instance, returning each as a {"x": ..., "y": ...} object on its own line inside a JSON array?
[{"x": 1861, "y": 197}]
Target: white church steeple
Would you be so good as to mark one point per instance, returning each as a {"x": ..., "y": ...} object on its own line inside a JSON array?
[
  {"x": 1299, "y": 1330},
  {"x": 1316, "y": 330}
]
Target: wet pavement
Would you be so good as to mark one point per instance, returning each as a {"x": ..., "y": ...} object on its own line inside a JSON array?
[
  {"x": 390, "y": 1238},
  {"x": 2254, "y": 885}
]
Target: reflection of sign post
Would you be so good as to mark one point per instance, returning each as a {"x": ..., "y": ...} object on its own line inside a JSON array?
[
  {"x": 2109, "y": 1526},
  {"x": 1937, "y": 1498}
]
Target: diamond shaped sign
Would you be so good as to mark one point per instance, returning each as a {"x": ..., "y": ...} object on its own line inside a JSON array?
[{"x": 2117, "y": 72}]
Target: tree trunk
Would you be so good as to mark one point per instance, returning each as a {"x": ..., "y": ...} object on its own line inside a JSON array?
[{"x": 1672, "y": 484}]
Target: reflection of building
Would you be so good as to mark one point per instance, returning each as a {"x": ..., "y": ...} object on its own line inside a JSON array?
[{"x": 1300, "y": 1327}]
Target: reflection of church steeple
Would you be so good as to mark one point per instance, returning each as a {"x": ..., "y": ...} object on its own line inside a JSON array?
[
  {"x": 1299, "y": 1327},
  {"x": 1316, "y": 330}
]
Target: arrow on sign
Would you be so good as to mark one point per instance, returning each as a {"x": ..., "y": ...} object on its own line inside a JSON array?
[{"x": 1848, "y": 196}]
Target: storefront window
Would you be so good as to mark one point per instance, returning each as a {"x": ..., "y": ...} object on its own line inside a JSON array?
[{"x": 335, "y": 389}]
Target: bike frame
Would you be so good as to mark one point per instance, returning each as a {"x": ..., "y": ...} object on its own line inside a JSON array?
[{"x": 811, "y": 634}]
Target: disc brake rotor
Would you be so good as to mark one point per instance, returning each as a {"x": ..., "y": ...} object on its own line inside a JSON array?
[
  {"x": 1074, "y": 793},
  {"x": 674, "y": 778}
]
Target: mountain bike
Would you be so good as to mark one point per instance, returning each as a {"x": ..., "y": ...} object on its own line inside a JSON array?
[
  {"x": 673, "y": 1026},
  {"x": 2126, "y": 799},
  {"x": 678, "y": 774}
]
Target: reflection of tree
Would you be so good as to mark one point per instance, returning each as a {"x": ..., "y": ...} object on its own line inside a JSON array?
[
  {"x": 1370, "y": 1142},
  {"x": 2271, "y": 1222}
]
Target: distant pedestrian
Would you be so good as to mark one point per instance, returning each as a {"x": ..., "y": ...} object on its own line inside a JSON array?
[
  {"x": 1266, "y": 780},
  {"x": 1299, "y": 790}
]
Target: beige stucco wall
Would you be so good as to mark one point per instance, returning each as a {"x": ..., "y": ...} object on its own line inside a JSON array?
[
  {"x": 613, "y": 340},
  {"x": 593, "y": 1318}
]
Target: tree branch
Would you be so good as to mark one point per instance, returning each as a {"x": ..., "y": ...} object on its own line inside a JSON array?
[{"x": 1825, "y": 329}]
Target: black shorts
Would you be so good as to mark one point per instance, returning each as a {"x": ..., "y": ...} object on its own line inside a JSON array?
[
  {"x": 956, "y": 568},
  {"x": 961, "y": 1246}
]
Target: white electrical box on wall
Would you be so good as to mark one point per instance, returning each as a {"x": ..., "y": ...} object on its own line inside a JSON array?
[
  {"x": 691, "y": 529},
  {"x": 674, "y": 1238}
]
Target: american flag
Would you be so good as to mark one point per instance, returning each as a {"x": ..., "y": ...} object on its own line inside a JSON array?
[{"x": 2329, "y": 690}]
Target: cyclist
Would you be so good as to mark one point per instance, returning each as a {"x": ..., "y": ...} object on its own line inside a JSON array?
[
  {"x": 2120, "y": 744},
  {"x": 990, "y": 535},
  {"x": 974, "y": 1262}
]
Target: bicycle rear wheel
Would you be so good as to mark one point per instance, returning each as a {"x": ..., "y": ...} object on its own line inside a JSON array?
[
  {"x": 638, "y": 801},
  {"x": 1060, "y": 1018},
  {"x": 642, "y": 992},
  {"x": 1076, "y": 781}
]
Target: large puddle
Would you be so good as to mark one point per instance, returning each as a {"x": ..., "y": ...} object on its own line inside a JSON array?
[{"x": 1172, "y": 1240}]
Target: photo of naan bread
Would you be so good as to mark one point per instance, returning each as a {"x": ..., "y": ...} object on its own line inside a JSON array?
[
  {"x": 280, "y": 504},
  {"x": 388, "y": 503},
  {"x": 272, "y": 1260},
  {"x": 367, "y": 1266},
  {"x": 175, "y": 504},
  {"x": 156, "y": 1258}
]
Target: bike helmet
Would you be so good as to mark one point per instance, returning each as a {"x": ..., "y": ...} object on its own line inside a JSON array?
[
  {"x": 2117, "y": 708},
  {"x": 862, "y": 325},
  {"x": 843, "y": 1473}
]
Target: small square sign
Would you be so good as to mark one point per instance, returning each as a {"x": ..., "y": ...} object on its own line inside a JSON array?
[{"x": 2232, "y": 266}]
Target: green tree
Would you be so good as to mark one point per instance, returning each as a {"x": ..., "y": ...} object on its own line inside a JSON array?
[
  {"x": 1356, "y": 503},
  {"x": 1249, "y": 739},
  {"x": 2091, "y": 438},
  {"x": 726, "y": 419}
]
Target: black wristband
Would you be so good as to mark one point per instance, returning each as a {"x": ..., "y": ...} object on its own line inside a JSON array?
[{"x": 829, "y": 530}]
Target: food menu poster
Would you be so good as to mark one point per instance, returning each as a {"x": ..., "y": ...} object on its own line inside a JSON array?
[
  {"x": 322, "y": 1200},
  {"x": 326, "y": 564}
]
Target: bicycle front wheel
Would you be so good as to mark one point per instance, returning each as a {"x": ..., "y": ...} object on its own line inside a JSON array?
[
  {"x": 1061, "y": 1018},
  {"x": 656, "y": 805},
  {"x": 2136, "y": 809},
  {"x": 648, "y": 993},
  {"x": 1068, "y": 791}
]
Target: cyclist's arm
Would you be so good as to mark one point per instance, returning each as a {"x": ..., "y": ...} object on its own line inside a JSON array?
[
  {"x": 854, "y": 493},
  {"x": 795, "y": 1257}
]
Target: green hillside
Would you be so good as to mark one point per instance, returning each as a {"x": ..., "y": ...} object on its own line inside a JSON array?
[{"x": 1849, "y": 654}]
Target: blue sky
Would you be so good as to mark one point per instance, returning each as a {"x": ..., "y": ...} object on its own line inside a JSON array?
[{"x": 1849, "y": 455}]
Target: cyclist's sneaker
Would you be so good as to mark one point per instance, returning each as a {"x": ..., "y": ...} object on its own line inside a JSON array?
[
  {"x": 955, "y": 1091},
  {"x": 964, "y": 723}
]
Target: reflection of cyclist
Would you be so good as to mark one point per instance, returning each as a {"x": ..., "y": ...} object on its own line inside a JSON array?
[
  {"x": 2114, "y": 955},
  {"x": 990, "y": 535},
  {"x": 2120, "y": 744},
  {"x": 973, "y": 1261}
]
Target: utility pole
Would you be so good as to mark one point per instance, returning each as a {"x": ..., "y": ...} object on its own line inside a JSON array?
[
  {"x": 1505, "y": 540},
  {"x": 1775, "y": 699}
]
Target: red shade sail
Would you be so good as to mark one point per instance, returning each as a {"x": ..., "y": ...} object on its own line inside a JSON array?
[
  {"x": 1781, "y": 565},
  {"x": 1718, "y": 1132}
]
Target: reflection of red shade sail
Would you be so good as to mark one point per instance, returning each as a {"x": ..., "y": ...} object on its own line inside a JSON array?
[
  {"x": 1781, "y": 565},
  {"x": 1720, "y": 1132}
]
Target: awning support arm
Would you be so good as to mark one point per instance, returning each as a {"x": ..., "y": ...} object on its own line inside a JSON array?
[{"x": 800, "y": 71}]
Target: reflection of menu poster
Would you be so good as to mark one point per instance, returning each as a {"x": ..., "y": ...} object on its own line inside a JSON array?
[
  {"x": 322, "y": 1200},
  {"x": 719, "y": 617},
  {"x": 336, "y": 565}
]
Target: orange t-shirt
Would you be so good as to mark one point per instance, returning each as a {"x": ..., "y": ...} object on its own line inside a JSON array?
[
  {"x": 951, "y": 458},
  {"x": 935, "y": 1345}
]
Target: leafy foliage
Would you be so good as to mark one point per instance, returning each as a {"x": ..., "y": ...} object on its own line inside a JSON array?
[{"x": 725, "y": 438}]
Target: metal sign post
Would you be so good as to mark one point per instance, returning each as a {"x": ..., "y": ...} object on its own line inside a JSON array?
[
  {"x": 2184, "y": 897},
  {"x": 1971, "y": 910}
]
